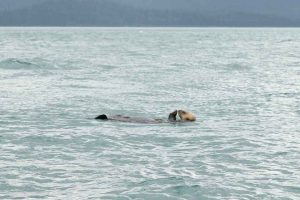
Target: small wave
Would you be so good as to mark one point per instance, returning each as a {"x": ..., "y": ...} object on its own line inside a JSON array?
[
  {"x": 107, "y": 67},
  {"x": 286, "y": 40},
  {"x": 237, "y": 66},
  {"x": 13, "y": 63}
]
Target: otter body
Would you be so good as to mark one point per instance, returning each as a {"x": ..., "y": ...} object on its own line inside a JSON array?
[{"x": 184, "y": 116}]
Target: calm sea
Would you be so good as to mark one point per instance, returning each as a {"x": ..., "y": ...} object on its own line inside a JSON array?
[{"x": 243, "y": 85}]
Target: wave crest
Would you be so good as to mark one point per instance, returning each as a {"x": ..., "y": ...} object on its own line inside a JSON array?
[{"x": 13, "y": 63}]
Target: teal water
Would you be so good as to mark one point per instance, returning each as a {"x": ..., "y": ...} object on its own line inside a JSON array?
[{"x": 243, "y": 85}]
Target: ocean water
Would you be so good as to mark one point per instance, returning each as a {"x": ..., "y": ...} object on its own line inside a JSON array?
[{"x": 243, "y": 85}]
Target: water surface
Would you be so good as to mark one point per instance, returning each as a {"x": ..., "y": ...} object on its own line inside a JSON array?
[{"x": 243, "y": 84}]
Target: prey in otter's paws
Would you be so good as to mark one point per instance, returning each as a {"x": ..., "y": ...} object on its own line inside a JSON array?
[{"x": 185, "y": 116}]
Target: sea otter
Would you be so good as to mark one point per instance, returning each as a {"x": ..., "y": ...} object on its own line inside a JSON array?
[{"x": 185, "y": 116}]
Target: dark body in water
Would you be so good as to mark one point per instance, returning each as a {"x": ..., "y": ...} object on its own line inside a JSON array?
[{"x": 184, "y": 116}]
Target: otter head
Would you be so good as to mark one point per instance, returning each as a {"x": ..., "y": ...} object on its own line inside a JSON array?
[{"x": 186, "y": 116}]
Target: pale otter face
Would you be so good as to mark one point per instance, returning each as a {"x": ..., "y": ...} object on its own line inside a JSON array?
[{"x": 186, "y": 116}]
